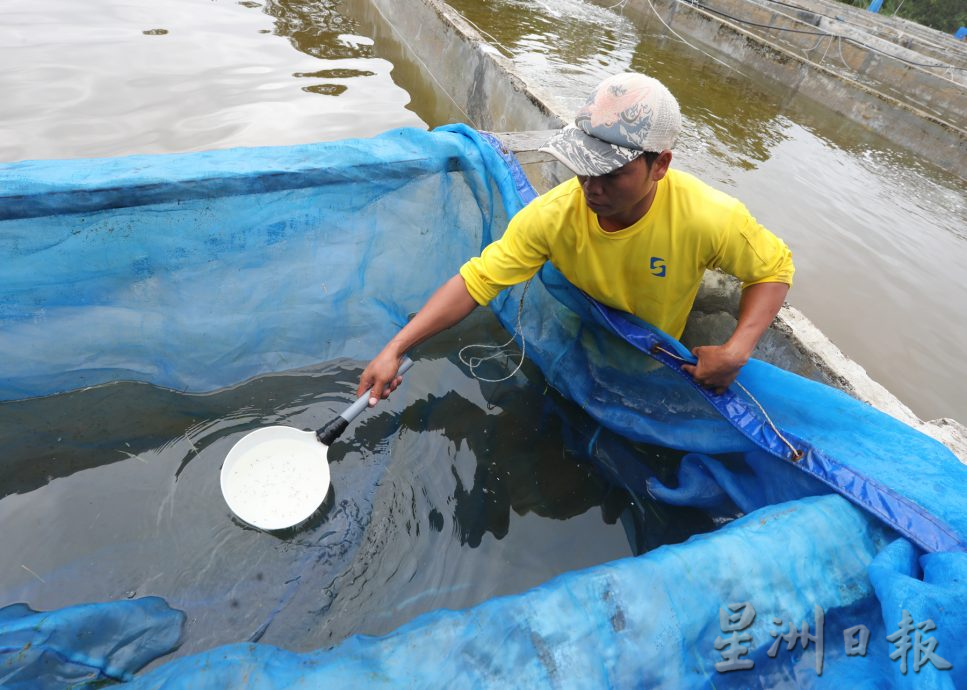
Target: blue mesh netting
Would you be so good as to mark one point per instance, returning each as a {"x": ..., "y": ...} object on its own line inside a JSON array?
[{"x": 198, "y": 271}]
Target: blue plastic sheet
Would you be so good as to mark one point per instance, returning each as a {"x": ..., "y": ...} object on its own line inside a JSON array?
[
  {"x": 846, "y": 444},
  {"x": 593, "y": 354},
  {"x": 199, "y": 271}
]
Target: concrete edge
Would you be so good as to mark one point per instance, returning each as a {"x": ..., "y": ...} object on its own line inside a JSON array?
[{"x": 860, "y": 103}]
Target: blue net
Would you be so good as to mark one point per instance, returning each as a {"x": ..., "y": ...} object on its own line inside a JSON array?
[
  {"x": 651, "y": 621},
  {"x": 199, "y": 271}
]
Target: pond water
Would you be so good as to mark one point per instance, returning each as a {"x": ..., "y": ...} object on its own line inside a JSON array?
[
  {"x": 443, "y": 497},
  {"x": 140, "y": 76}
]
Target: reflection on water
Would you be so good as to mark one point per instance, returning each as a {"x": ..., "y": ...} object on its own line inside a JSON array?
[
  {"x": 320, "y": 29},
  {"x": 565, "y": 42},
  {"x": 449, "y": 494},
  {"x": 182, "y": 75},
  {"x": 877, "y": 233}
]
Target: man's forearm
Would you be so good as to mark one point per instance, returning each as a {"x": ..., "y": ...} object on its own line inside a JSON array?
[
  {"x": 758, "y": 307},
  {"x": 449, "y": 305}
]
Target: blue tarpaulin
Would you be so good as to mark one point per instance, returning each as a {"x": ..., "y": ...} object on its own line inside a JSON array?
[{"x": 198, "y": 271}]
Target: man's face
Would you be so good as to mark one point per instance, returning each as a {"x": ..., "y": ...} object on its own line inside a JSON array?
[{"x": 624, "y": 195}]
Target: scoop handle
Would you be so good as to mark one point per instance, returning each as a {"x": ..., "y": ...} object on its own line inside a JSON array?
[{"x": 331, "y": 431}]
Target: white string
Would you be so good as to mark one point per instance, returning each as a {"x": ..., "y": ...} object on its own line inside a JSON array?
[
  {"x": 693, "y": 47},
  {"x": 507, "y": 51},
  {"x": 796, "y": 453},
  {"x": 828, "y": 46},
  {"x": 473, "y": 363},
  {"x": 426, "y": 67},
  {"x": 839, "y": 43}
]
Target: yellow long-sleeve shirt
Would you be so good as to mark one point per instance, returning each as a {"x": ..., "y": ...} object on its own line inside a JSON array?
[{"x": 651, "y": 269}]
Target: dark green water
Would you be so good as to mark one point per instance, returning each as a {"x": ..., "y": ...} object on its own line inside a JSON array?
[{"x": 450, "y": 494}]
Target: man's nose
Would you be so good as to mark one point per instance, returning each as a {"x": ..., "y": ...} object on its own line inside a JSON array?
[{"x": 591, "y": 185}]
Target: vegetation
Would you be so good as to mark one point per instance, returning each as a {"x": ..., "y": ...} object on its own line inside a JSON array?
[{"x": 944, "y": 15}]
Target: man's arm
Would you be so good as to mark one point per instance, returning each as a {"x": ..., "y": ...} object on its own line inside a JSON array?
[
  {"x": 512, "y": 259},
  {"x": 447, "y": 306},
  {"x": 718, "y": 365}
]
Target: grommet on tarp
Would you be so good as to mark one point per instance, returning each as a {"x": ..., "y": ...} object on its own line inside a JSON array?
[{"x": 796, "y": 454}]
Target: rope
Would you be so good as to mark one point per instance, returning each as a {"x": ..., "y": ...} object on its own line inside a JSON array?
[
  {"x": 426, "y": 68},
  {"x": 825, "y": 52},
  {"x": 679, "y": 37},
  {"x": 507, "y": 51},
  {"x": 815, "y": 45},
  {"x": 796, "y": 453},
  {"x": 473, "y": 363},
  {"x": 839, "y": 43},
  {"x": 711, "y": 10}
]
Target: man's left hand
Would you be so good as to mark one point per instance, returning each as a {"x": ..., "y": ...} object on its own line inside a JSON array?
[{"x": 717, "y": 366}]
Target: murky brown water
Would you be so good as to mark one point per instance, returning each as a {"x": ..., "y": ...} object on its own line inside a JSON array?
[{"x": 134, "y": 76}]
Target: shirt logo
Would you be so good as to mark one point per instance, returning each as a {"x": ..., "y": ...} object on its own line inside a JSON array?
[{"x": 657, "y": 266}]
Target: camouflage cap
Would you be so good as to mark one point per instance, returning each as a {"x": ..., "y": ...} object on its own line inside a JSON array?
[{"x": 624, "y": 116}]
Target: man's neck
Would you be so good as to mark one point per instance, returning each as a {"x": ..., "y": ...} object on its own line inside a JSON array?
[{"x": 626, "y": 220}]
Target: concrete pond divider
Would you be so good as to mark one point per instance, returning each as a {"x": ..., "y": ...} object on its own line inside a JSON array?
[
  {"x": 878, "y": 92},
  {"x": 896, "y": 31}
]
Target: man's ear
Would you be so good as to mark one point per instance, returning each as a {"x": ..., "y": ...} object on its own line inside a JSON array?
[{"x": 661, "y": 165}]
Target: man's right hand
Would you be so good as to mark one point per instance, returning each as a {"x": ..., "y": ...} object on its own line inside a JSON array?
[
  {"x": 379, "y": 377},
  {"x": 446, "y": 306}
]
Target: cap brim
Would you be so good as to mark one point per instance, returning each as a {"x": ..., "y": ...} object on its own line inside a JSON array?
[{"x": 587, "y": 155}]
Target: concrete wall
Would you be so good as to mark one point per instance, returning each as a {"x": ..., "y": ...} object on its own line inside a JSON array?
[
  {"x": 476, "y": 76},
  {"x": 863, "y": 54},
  {"x": 918, "y": 38}
]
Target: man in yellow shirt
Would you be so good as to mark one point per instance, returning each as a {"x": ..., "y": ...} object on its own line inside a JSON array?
[{"x": 628, "y": 231}]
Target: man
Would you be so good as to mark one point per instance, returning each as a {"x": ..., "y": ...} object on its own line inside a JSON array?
[{"x": 629, "y": 231}]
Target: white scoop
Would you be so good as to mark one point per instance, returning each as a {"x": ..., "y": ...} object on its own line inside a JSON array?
[{"x": 276, "y": 477}]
